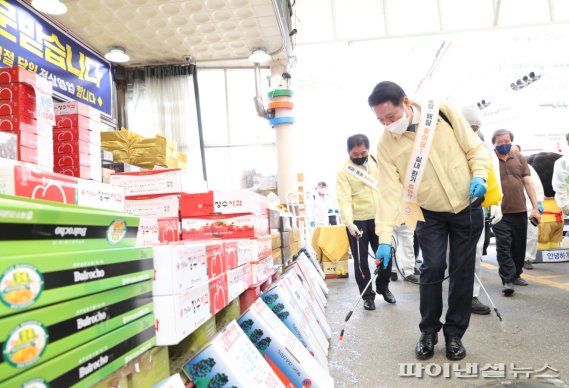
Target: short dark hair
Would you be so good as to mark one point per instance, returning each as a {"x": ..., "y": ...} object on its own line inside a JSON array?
[
  {"x": 357, "y": 140},
  {"x": 501, "y": 132},
  {"x": 322, "y": 184},
  {"x": 517, "y": 145},
  {"x": 386, "y": 91}
]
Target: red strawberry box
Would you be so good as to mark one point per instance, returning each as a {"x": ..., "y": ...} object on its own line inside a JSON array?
[
  {"x": 24, "y": 182},
  {"x": 218, "y": 293},
  {"x": 29, "y": 155},
  {"x": 71, "y": 121},
  {"x": 60, "y": 160},
  {"x": 169, "y": 229},
  {"x": 17, "y": 108},
  {"x": 76, "y": 171},
  {"x": 216, "y": 261},
  {"x": 71, "y": 134},
  {"x": 17, "y": 74},
  {"x": 16, "y": 91},
  {"x": 71, "y": 147},
  {"x": 223, "y": 202},
  {"x": 17, "y": 123},
  {"x": 27, "y": 139},
  {"x": 218, "y": 226}
]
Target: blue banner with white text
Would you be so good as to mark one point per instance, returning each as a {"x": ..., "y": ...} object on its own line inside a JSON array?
[{"x": 28, "y": 41}]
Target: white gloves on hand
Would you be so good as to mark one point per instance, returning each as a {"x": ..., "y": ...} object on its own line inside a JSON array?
[
  {"x": 354, "y": 231},
  {"x": 495, "y": 214}
]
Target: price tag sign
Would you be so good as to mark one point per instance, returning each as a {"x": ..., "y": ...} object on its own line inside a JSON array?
[
  {"x": 555, "y": 256},
  {"x": 44, "y": 101}
]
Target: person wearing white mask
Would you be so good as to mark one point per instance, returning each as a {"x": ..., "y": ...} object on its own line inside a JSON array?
[
  {"x": 432, "y": 169},
  {"x": 321, "y": 204}
]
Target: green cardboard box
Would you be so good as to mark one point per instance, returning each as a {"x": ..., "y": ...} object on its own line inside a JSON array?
[
  {"x": 35, "y": 336},
  {"x": 34, "y": 226},
  {"x": 31, "y": 281},
  {"x": 93, "y": 361}
]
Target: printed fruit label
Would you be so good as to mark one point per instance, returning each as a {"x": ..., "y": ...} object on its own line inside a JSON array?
[
  {"x": 116, "y": 231},
  {"x": 25, "y": 344},
  {"x": 36, "y": 383},
  {"x": 20, "y": 286}
]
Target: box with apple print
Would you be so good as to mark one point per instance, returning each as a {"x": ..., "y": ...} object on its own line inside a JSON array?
[{"x": 218, "y": 227}]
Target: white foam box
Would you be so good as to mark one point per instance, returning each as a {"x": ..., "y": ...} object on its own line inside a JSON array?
[
  {"x": 76, "y": 108},
  {"x": 147, "y": 233},
  {"x": 312, "y": 288},
  {"x": 262, "y": 247},
  {"x": 149, "y": 182},
  {"x": 315, "y": 275},
  {"x": 178, "y": 267},
  {"x": 285, "y": 306},
  {"x": 286, "y": 355},
  {"x": 245, "y": 251},
  {"x": 223, "y": 202},
  {"x": 315, "y": 316},
  {"x": 100, "y": 195},
  {"x": 179, "y": 315},
  {"x": 233, "y": 356},
  {"x": 262, "y": 270},
  {"x": 218, "y": 293},
  {"x": 238, "y": 280},
  {"x": 160, "y": 206},
  {"x": 169, "y": 229}
]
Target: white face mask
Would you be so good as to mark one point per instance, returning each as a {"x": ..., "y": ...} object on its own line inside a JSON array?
[{"x": 399, "y": 126}]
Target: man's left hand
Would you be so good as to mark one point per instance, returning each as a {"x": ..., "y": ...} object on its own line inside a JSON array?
[{"x": 477, "y": 187}]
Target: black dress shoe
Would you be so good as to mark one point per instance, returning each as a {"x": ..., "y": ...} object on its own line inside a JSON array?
[
  {"x": 412, "y": 278},
  {"x": 454, "y": 348},
  {"x": 369, "y": 304},
  {"x": 387, "y": 296},
  {"x": 478, "y": 307},
  {"x": 393, "y": 276},
  {"x": 425, "y": 348}
]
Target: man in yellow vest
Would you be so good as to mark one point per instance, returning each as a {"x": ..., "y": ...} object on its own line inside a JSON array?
[
  {"x": 431, "y": 168},
  {"x": 356, "y": 190}
]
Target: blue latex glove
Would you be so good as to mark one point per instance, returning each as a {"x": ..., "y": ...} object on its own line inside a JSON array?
[
  {"x": 540, "y": 207},
  {"x": 383, "y": 254},
  {"x": 477, "y": 187}
]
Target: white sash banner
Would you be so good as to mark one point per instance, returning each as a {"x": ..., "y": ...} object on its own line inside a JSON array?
[
  {"x": 410, "y": 211},
  {"x": 362, "y": 175}
]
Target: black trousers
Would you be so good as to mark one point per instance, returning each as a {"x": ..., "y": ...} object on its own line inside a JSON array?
[
  {"x": 460, "y": 232},
  {"x": 487, "y": 226},
  {"x": 511, "y": 238},
  {"x": 363, "y": 277}
]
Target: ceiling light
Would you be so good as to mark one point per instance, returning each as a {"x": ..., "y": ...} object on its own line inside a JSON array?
[
  {"x": 117, "y": 54},
  {"x": 52, "y": 7},
  {"x": 259, "y": 55}
]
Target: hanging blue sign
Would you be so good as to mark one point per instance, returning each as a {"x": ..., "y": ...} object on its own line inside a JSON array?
[{"x": 77, "y": 73}]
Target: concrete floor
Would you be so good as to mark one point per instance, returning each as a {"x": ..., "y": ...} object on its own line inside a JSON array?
[{"x": 379, "y": 344}]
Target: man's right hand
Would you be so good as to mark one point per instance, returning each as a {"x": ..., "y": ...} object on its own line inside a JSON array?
[
  {"x": 383, "y": 254},
  {"x": 566, "y": 210},
  {"x": 354, "y": 231}
]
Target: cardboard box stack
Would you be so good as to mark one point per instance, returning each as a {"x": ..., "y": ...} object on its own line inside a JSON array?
[
  {"x": 21, "y": 180},
  {"x": 131, "y": 148},
  {"x": 286, "y": 355},
  {"x": 155, "y": 196},
  {"x": 239, "y": 218},
  {"x": 231, "y": 359},
  {"x": 77, "y": 141},
  {"x": 75, "y": 291},
  {"x": 26, "y": 111}
]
